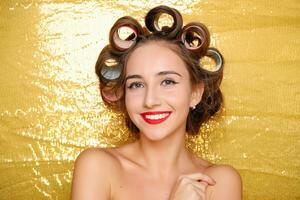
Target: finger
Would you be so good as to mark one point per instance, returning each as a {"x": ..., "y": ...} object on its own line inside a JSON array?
[
  {"x": 200, "y": 192},
  {"x": 200, "y": 177},
  {"x": 201, "y": 185},
  {"x": 191, "y": 183}
]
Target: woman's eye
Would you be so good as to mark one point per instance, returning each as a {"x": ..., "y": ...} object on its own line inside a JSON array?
[
  {"x": 135, "y": 85},
  {"x": 169, "y": 82}
]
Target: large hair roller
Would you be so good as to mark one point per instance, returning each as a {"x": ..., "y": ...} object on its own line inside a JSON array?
[
  {"x": 108, "y": 67},
  {"x": 109, "y": 94},
  {"x": 195, "y": 36},
  {"x": 214, "y": 54},
  {"x": 121, "y": 45},
  {"x": 152, "y": 17}
]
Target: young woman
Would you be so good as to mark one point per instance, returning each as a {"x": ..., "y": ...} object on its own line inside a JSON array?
[{"x": 155, "y": 78}]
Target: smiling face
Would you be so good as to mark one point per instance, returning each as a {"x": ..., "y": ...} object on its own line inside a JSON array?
[{"x": 158, "y": 90}]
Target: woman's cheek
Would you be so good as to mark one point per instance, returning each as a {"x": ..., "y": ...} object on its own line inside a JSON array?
[
  {"x": 133, "y": 97},
  {"x": 178, "y": 92}
]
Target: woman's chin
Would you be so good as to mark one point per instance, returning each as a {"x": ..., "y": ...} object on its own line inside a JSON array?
[{"x": 153, "y": 136}]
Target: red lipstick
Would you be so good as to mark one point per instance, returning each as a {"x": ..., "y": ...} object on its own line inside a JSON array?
[{"x": 156, "y": 117}]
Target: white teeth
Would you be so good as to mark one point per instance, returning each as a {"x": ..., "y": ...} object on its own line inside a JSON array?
[{"x": 159, "y": 116}]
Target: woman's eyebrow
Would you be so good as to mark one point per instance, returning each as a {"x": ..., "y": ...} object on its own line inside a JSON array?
[
  {"x": 168, "y": 72},
  {"x": 158, "y": 74},
  {"x": 133, "y": 76}
]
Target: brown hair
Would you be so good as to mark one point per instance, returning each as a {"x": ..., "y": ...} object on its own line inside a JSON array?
[{"x": 113, "y": 59}]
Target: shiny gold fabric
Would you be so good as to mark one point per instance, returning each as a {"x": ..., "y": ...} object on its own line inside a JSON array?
[{"x": 50, "y": 108}]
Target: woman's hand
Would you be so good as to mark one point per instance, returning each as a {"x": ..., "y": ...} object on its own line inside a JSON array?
[{"x": 191, "y": 187}]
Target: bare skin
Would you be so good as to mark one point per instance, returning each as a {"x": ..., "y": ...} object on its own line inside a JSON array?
[
  {"x": 158, "y": 165},
  {"x": 138, "y": 177},
  {"x": 126, "y": 178}
]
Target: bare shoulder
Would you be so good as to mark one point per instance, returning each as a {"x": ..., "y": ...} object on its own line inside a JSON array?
[
  {"x": 96, "y": 160},
  {"x": 94, "y": 171},
  {"x": 224, "y": 172},
  {"x": 95, "y": 156},
  {"x": 228, "y": 183}
]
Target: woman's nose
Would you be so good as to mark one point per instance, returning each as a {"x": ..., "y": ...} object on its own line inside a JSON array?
[{"x": 152, "y": 97}]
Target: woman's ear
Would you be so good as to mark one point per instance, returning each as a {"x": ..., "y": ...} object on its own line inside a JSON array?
[{"x": 197, "y": 92}]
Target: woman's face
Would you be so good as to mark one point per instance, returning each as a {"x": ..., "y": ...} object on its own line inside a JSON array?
[{"x": 158, "y": 91}]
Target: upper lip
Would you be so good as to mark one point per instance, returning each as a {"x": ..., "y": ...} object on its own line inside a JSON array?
[{"x": 155, "y": 112}]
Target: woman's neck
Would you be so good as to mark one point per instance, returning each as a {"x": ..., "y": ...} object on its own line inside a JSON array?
[{"x": 165, "y": 157}]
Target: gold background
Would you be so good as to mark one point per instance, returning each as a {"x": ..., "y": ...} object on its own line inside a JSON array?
[{"x": 50, "y": 107}]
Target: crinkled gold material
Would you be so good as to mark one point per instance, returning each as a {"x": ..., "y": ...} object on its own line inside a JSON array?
[{"x": 51, "y": 109}]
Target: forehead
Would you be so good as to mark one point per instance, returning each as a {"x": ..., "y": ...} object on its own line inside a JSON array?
[{"x": 153, "y": 57}]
